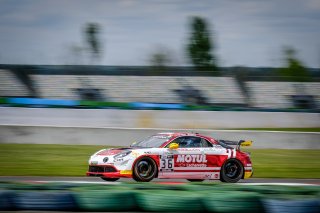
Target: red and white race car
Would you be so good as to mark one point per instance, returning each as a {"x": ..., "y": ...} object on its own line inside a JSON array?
[{"x": 174, "y": 155}]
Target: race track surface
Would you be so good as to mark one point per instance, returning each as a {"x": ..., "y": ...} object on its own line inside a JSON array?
[{"x": 252, "y": 181}]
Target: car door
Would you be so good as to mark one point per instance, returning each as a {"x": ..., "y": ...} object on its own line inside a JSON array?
[{"x": 188, "y": 161}]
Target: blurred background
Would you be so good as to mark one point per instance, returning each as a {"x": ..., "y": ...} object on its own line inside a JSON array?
[
  {"x": 77, "y": 76},
  {"x": 113, "y": 72},
  {"x": 201, "y": 55}
]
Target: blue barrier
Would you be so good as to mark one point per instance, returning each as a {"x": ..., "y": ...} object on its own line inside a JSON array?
[
  {"x": 42, "y": 101},
  {"x": 141, "y": 105}
]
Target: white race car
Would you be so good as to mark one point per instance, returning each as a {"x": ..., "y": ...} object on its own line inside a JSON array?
[{"x": 174, "y": 155}]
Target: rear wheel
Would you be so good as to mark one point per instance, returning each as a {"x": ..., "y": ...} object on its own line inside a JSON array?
[
  {"x": 109, "y": 179},
  {"x": 231, "y": 171},
  {"x": 145, "y": 169}
]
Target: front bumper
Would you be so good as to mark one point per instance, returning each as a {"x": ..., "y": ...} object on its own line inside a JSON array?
[{"x": 108, "y": 171}]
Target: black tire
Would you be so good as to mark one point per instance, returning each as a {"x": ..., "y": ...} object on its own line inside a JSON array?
[
  {"x": 231, "y": 171},
  {"x": 109, "y": 179},
  {"x": 195, "y": 180},
  {"x": 144, "y": 170}
]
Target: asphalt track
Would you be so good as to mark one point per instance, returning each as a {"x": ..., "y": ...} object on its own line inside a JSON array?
[{"x": 97, "y": 180}]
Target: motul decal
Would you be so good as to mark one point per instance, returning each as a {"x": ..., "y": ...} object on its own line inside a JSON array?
[{"x": 191, "y": 159}]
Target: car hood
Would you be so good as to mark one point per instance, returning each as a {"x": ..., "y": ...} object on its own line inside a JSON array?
[{"x": 109, "y": 152}]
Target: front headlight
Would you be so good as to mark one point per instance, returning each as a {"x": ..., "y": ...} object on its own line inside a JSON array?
[{"x": 122, "y": 154}]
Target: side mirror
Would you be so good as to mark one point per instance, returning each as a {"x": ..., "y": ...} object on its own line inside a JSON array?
[{"x": 173, "y": 146}]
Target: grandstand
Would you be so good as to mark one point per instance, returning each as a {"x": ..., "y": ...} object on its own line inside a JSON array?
[
  {"x": 128, "y": 87},
  {"x": 281, "y": 94},
  {"x": 150, "y": 89},
  {"x": 11, "y": 86}
]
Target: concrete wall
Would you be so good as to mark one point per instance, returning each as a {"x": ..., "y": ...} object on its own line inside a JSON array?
[
  {"x": 154, "y": 118},
  {"x": 124, "y": 137},
  {"x": 122, "y": 127}
]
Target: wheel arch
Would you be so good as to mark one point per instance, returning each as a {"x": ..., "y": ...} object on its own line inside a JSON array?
[
  {"x": 237, "y": 159},
  {"x": 155, "y": 158}
]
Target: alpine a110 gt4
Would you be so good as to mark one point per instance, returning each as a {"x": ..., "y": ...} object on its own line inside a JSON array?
[{"x": 190, "y": 156}]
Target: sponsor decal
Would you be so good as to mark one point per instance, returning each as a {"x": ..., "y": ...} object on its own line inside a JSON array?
[
  {"x": 192, "y": 159},
  {"x": 118, "y": 159}
]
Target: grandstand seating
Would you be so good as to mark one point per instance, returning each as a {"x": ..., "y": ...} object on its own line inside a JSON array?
[
  {"x": 153, "y": 89},
  {"x": 10, "y": 85},
  {"x": 57, "y": 86},
  {"x": 160, "y": 89},
  {"x": 279, "y": 94}
]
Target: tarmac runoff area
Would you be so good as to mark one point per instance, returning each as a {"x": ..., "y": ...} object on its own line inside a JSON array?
[{"x": 97, "y": 180}]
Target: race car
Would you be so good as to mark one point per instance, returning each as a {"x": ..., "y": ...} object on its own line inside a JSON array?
[{"x": 190, "y": 156}]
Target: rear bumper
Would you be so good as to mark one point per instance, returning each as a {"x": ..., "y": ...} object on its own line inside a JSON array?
[{"x": 248, "y": 174}]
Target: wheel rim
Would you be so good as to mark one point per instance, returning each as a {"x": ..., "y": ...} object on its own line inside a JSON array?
[
  {"x": 232, "y": 170},
  {"x": 145, "y": 169}
]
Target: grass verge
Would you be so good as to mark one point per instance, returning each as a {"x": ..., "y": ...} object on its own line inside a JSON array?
[
  {"x": 285, "y": 163},
  {"x": 71, "y": 160}
]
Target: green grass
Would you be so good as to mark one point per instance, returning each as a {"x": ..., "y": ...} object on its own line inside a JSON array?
[
  {"x": 45, "y": 160},
  {"x": 71, "y": 160},
  {"x": 286, "y": 163}
]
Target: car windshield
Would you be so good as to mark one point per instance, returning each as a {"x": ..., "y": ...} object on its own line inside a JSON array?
[{"x": 154, "y": 141}]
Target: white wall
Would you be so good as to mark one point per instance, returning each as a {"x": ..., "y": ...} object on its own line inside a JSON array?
[
  {"x": 124, "y": 137},
  {"x": 122, "y": 127},
  {"x": 154, "y": 118}
]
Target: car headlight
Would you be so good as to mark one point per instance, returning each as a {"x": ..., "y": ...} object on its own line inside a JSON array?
[{"x": 122, "y": 154}]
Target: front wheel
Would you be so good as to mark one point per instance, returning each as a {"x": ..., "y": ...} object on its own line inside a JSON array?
[
  {"x": 231, "y": 171},
  {"x": 145, "y": 169},
  {"x": 109, "y": 179}
]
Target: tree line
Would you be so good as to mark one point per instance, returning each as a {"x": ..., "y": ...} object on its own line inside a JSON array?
[{"x": 199, "y": 50}]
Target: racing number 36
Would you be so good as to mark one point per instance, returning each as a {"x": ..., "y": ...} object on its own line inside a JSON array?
[{"x": 166, "y": 163}]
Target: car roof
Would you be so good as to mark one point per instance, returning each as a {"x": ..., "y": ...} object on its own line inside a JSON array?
[
  {"x": 172, "y": 135},
  {"x": 179, "y": 134}
]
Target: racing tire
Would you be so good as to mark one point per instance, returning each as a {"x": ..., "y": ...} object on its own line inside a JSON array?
[
  {"x": 231, "y": 171},
  {"x": 109, "y": 179},
  {"x": 195, "y": 180},
  {"x": 144, "y": 170}
]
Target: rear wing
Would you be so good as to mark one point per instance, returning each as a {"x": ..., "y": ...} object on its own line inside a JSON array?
[{"x": 236, "y": 143}]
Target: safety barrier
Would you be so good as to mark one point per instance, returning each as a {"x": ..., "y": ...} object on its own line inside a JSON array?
[
  {"x": 59, "y": 103},
  {"x": 44, "y": 200},
  {"x": 153, "y": 197}
]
